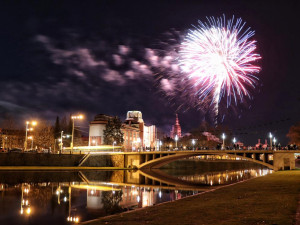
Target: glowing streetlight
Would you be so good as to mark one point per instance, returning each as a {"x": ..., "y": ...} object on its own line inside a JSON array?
[
  {"x": 176, "y": 139},
  {"x": 270, "y": 135},
  {"x": 223, "y": 137},
  {"x": 33, "y": 123},
  {"x": 193, "y": 142},
  {"x": 79, "y": 117},
  {"x": 274, "y": 140},
  {"x": 234, "y": 141},
  {"x": 61, "y": 140},
  {"x": 160, "y": 144}
]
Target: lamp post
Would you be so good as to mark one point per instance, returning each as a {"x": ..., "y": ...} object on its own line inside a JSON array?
[
  {"x": 270, "y": 135},
  {"x": 61, "y": 140},
  {"x": 33, "y": 123},
  {"x": 176, "y": 139},
  {"x": 223, "y": 137},
  {"x": 193, "y": 142},
  {"x": 160, "y": 144},
  {"x": 234, "y": 141},
  {"x": 26, "y": 129},
  {"x": 79, "y": 117},
  {"x": 274, "y": 140}
]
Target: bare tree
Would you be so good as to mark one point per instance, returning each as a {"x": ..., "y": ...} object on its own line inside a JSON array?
[{"x": 43, "y": 135}]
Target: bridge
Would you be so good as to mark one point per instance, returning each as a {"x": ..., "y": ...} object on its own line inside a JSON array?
[{"x": 273, "y": 159}]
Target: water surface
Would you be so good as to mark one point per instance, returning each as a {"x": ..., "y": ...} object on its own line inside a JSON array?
[{"x": 59, "y": 197}]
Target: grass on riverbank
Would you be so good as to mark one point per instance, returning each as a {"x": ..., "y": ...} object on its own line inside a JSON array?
[{"x": 271, "y": 199}]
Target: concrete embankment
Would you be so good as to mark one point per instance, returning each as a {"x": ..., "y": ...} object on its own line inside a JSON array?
[{"x": 59, "y": 160}]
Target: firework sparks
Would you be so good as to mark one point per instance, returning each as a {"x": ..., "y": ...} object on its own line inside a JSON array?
[{"x": 217, "y": 57}]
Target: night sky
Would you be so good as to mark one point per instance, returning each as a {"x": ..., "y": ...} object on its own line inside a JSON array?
[{"x": 62, "y": 57}]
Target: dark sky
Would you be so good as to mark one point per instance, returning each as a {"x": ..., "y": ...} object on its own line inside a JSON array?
[{"x": 62, "y": 57}]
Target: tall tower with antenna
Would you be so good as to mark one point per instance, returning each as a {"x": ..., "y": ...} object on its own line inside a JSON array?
[{"x": 176, "y": 129}]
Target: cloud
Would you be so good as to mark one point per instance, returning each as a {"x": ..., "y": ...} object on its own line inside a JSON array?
[
  {"x": 124, "y": 50},
  {"x": 113, "y": 76},
  {"x": 167, "y": 86},
  {"x": 130, "y": 74},
  {"x": 117, "y": 59},
  {"x": 10, "y": 106},
  {"x": 95, "y": 74}
]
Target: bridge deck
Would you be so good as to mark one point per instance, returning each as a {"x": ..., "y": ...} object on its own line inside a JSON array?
[{"x": 203, "y": 152}]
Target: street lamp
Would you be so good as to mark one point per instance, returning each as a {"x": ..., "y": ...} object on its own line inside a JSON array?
[
  {"x": 270, "y": 135},
  {"x": 160, "y": 144},
  {"x": 274, "y": 140},
  {"x": 176, "y": 139},
  {"x": 33, "y": 123},
  {"x": 223, "y": 137},
  {"x": 79, "y": 117},
  {"x": 193, "y": 142},
  {"x": 234, "y": 141},
  {"x": 61, "y": 140}
]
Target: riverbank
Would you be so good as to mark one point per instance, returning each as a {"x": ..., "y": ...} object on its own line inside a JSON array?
[
  {"x": 272, "y": 199},
  {"x": 44, "y": 160}
]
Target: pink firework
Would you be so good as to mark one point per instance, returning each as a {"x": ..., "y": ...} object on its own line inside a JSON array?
[{"x": 218, "y": 57}]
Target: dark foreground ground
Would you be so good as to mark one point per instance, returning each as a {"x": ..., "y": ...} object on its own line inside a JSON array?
[{"x": 272, "y": 199}]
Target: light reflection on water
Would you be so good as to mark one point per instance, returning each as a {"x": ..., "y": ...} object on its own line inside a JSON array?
[
  {"x": 76, "y": 201},
  {"x": 227, "y": 177}
]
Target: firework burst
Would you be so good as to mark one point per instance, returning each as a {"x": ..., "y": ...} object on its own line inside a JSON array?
[{"x": 218, "y": 57}]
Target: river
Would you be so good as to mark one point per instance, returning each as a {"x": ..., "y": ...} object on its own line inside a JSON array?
[{"x": 69, "y": 197}]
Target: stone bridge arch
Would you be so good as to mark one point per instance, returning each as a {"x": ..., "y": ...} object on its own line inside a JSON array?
[{"x": 163, "y": 160}]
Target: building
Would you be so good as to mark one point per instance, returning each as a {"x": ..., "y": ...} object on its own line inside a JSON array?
[
  {"x": 135, "y": 133},
  {"x": 176, "y": 129},
  {"x": 131, "y": 137},
  {"x": 147, "y": 134},
  {"x": 97, "y": 127},
  {"x": 10, "y": 138}
]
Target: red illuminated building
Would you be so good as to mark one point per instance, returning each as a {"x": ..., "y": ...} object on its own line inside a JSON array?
[{"x": 176, "y": 129}]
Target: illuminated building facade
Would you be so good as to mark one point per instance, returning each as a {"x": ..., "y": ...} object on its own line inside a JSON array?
[
  {"x": 131, "y": 137},
  {"x": 147, "y": 134},
  {"x": 135, "y": 133},
  {"x": 176, "y": 129},
  {"x": 96, "y": 130}
]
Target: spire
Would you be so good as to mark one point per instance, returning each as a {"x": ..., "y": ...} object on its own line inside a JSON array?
[
  {"x": 177, "y": 120},
  {"x": 176, "y": 129}
]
